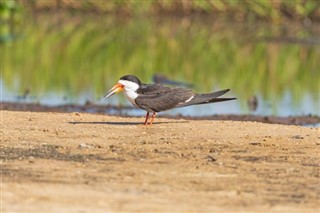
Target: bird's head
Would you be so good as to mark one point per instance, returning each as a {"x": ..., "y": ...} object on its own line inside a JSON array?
[{"x": 127, "y": 83}]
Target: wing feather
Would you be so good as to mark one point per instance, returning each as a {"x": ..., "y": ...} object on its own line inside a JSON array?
[{"x": 156, "y": 98}]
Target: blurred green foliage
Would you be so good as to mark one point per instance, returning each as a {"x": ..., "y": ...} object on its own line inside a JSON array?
[
  {"x": 8, "y": 8},
  {"x": 90, "y": 54},
  {"x": 70, "y": 53},
  {"x": 274, "y": 10}
]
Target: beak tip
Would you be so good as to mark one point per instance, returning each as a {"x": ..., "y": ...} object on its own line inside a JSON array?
[
  {"x": 107, "y": 96},
  {"x": 115, "y": 89}
]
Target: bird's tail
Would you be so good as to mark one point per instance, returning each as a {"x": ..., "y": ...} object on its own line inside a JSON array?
[{"x": 207, "y": 98}]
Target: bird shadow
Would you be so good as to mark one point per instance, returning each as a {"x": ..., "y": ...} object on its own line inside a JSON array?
[{"x": 123, "y": 123}]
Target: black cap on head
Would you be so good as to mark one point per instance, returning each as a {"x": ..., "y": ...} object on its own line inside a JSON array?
[{"x": 131, "y": 78}]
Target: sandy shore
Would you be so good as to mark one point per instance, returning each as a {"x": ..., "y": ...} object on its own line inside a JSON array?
[
  {"x": 303, "y": 120},
  {"x": 77, "y": 162}
]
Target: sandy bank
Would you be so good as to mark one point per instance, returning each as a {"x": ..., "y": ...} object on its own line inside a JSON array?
[{"x": 77, "y": 162}]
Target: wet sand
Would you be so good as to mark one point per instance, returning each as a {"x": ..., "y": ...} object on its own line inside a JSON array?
[{"x": 78, "y": 162}]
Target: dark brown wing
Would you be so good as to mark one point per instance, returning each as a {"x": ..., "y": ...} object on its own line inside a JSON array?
[
  {"x": 153, "y": 88},
  {"x": 158, "y": 98}
]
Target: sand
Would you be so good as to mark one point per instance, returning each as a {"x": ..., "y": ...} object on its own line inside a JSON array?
[{"x": 78, "y": 162}]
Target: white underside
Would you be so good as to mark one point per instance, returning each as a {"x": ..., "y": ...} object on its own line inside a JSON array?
[{"x": 131, "y": 96}]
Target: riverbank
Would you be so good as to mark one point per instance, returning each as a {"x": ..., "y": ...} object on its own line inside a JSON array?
[
  {"x": 307, "y": 120},
  {"x": 71, "y": 162}
]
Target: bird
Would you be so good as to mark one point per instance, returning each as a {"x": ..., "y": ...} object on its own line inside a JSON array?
[{"x": 155, "y": 98}]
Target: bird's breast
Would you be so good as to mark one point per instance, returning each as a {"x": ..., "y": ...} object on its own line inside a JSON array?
[{"x": 131, "y": 96}]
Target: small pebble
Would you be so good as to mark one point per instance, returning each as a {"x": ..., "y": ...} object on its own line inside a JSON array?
[
  {"x": 210, "y": 158},
  {"x": 85, "y": 146},
  {"x": 297, "y": 137},
  {"x": 31, "y": 159},
  {"x": 255, "y": 143}
]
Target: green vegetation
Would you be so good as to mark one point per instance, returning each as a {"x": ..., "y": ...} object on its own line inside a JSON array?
[
  {"x": 274, "y": 10},
  {"x": 70, "y": 54},
  {"x": 83, "y": 56}
]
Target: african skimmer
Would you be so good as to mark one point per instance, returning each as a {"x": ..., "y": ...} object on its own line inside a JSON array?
[{"x": 155, "y": 98}]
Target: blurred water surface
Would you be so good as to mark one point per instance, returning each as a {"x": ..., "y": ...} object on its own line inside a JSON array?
[{"x": 54, "y": 59}]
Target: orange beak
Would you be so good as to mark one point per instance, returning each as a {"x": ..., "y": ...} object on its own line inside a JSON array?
[{"x": 115, "y": 89}]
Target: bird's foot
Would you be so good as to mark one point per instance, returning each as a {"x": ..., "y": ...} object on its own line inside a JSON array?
[{"x": 147, "y": 117}]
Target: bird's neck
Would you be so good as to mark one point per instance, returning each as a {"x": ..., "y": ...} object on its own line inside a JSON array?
[{"x": 131, "y": 95}]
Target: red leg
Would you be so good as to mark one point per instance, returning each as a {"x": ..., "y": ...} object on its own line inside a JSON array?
[
  {"x": 153, "y": 115},
  {"x": 147, "y": 116}
]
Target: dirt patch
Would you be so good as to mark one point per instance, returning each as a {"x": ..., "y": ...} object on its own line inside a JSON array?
[{"x": 77, "y": 162}]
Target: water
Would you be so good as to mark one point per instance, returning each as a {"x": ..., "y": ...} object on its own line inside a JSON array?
[{"x": 58, "y": 60}]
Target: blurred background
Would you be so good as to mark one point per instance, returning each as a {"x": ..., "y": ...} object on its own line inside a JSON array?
[{"x": 59, "y": 52}]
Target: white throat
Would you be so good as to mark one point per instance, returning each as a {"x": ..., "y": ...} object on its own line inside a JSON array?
[{"x": 130, "y": 90}]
